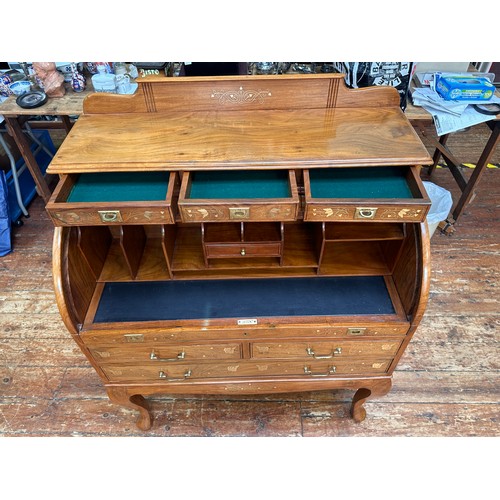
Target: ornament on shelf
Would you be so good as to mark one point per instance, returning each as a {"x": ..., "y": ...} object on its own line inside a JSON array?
[
  {"x": 52, "y": 80},
  {"x": 78, "y": 81}
]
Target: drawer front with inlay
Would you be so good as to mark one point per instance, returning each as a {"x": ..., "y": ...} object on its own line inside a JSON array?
[
  {"x": 368, "y": 194},
  {"x": 242, "y": 250},
  {"x": 233, "y": 196},
  {"x": 324, "y": 350},
  {"x": 94, "y": 338},
  {"x": 86, "y": 200},
  {"x": 185, "y": 372},
  {"x": 165, "y": 353}
]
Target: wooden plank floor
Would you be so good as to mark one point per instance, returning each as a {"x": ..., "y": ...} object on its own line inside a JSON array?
[{"x": 447, "y": 383}]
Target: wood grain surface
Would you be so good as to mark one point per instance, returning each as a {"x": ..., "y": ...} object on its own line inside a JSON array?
[
  {"x": 447, "y": 382},
  {"x": 180, "y": 140}
]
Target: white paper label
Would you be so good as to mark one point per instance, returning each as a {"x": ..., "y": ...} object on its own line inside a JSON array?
[{"x": 247, "y": 322}]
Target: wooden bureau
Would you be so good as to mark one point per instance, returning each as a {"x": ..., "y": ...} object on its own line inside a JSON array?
[{"x": 241, "y": 235}]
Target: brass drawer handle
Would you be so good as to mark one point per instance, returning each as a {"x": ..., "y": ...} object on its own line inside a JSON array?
[
  {"x": 154, "y": 357},
  {"x": 110, "y": 215},
  {"x": 165, "y": 376},
  {"x": 365, "y": 213},
  {"x": 243, "y": 252},
  {"x": 335, "y": 352},
  {"x": 236, "y": 213},
  {"x": 356, "y": 331},
  {"x": 331, "y": 371}
]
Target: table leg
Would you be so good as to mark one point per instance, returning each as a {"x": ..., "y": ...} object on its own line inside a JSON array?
[
  {"x": 437, "y": 153},
  {"x": 17, "y": 134},
  {"x": 67, "y": 123},
  {"x": 483, "y": 161}
]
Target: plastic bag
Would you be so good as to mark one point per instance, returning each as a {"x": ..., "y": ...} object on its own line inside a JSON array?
[
  {"x": 441, "y": 202},
  {"x": 5, "y": 237}
]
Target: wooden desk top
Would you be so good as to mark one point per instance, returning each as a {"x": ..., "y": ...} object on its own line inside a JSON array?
[
  {"x": 240, "y": 139},
  {"x": 285, "y": 121}
]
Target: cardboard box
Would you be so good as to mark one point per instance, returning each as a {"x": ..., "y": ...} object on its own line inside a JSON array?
[{"x": 457, "y": 88}]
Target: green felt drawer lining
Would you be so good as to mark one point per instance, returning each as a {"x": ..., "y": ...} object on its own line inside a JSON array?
[
  {"x": 240, "y": 184},
  {"x": 120, "y": 186},
  {"x": 370, "y": 182}
]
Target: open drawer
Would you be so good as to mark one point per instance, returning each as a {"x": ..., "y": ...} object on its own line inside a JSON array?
[
  {"x": 255, "y": 195},
  {"x": 365, "y": 194},
  {"x": 111, "y": 198}
]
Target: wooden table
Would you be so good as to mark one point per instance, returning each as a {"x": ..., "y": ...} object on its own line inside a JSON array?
[
  {"x": 420, "y": 118},
  {"x": 15, "y": 118}
]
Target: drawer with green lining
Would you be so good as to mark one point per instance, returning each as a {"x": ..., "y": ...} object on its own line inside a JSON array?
[
  {"x": 239, "y": 195},
  {"x": 114, "y": 198},
  {"x": 365, "y": 194}
]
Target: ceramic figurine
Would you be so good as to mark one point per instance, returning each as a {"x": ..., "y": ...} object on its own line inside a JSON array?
[
  {"x": 77, "y": 79},
  {"x": 52, "y": 80}
]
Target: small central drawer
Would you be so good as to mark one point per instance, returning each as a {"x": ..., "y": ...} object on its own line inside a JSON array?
[
  {"x": 239, "y": 195},
  {"x": 114, "y": 198},
  {"x": 243, "y": 250},
  {"x": 365, "y": 194}
]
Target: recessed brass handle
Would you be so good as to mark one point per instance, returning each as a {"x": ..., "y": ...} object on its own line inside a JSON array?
[
  {"x": 110, "y": 215},
  {"x": 331, "y": 371},
  {"x": 165, "y": 376},
  {"x": 335, "y": 352},
  {"x": 356, "y": 331},
  {"x": 154, "y": 357},
  {"x": 236, "y": 213},
  {"x": 365, "y": 213}
]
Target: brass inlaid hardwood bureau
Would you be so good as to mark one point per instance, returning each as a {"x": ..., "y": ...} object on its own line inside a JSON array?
[{"x": 241, "y": 235}]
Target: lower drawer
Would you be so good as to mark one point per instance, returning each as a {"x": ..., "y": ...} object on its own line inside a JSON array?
[
  {"x": 165, "y": 353},
  {"x": 185, "y": 372}
]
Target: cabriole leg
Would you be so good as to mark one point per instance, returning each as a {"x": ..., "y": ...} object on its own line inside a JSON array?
[
  {"x": 121, "y": 396},
  {"x": 379, "y": 388}
]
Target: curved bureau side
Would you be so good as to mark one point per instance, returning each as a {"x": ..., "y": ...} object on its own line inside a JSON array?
[
  {"x": 62, "y": 288},
  {"x": 416, "y": 309}
]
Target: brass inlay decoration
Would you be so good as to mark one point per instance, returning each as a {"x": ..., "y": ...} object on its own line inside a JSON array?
[
  {"x": 330, "y": 212},
  {"x": 133, "y": 337},
  {"x": 68, "y": 217},
  {"x": 240, "y": 96},
  {"x": 404, "y": 213}
]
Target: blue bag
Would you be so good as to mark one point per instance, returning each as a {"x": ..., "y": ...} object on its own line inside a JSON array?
[{"x": 5, "y": 237}]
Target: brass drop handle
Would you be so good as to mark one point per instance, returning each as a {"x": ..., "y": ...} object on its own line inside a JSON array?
[
  {"x": 165, "y": 376},
  {"x": 154, "y": 357},
  {"x": 243, "y": 252},
  {"x": 335, "y": 352},
  {"x": 331, "y": 371}
]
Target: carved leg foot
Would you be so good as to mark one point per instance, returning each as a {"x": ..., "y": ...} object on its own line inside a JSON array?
[
  {"x": 379, "y": 388},
  {"x": 121, "y": 396}
]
